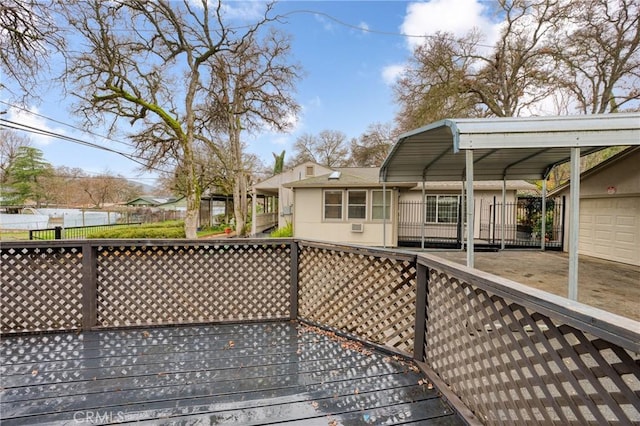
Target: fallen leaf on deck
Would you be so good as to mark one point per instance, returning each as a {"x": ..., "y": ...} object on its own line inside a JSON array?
[{"x": 34, "y": 373}]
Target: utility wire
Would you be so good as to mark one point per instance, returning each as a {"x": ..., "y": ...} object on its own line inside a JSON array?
[
  {"x": 30, "y": 129},
  {"x": 28, "y": 111},
  {"x": 374, "y": 31}
]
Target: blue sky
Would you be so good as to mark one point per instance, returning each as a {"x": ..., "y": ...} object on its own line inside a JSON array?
[{"x": 349, "y": 70}]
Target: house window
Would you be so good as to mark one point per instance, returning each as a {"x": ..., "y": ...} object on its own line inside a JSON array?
[
  {"x": 357, "y": 205},
  {"x": 378, "y": 205},
  {"x": 333, "y": 205},
  {"x": 309, "y": 171},
  {"x": 442, "y": 208}
]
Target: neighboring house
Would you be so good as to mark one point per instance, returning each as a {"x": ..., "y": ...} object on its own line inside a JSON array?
[
  {"x": 272, "y": 203},
  {"x": 174, "y": 204},
  {"x": 347, "y": 205},
  {"x": 609, "y": 208},
  {"x": 150, "y": 201}
]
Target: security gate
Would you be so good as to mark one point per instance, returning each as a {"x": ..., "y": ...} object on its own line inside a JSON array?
[{"x": 522, "y": 225}]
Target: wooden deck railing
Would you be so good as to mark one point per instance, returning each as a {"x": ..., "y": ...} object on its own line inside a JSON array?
[{"x": 511, "y": 353}]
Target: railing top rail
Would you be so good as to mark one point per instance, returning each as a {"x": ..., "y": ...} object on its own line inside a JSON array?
[
  {"x": 364, "y": 250},
  {"x": 148, "y": 242},
  {"x": 617, "y": 329}
]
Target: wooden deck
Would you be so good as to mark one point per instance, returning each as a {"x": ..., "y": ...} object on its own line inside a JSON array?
[{"x": 260, "y": 373}]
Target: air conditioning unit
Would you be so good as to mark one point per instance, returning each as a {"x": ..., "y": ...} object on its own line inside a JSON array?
[{"x": 357, "y": 227}]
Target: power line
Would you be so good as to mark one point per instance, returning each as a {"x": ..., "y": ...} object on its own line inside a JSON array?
[
  {"x": 374, "y": 31},
  {"x": 30, "y": 129},
  {"x": 65, "y": 124}
]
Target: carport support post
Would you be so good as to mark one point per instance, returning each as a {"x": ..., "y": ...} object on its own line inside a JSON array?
[
  {"x": 543, "y": 224},
  {"x": 470, "y": 206},
  {"x": 574, "y": 223},
  {"x": 462, "y": 213},
  {"x": 503, "y": 212},
  {"x": 423, "y": 214}
]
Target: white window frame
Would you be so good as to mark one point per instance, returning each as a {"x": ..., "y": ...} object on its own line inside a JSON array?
[
  {"x": 324, "y": 205},
  {"x": 365, "y": 205},
  {"x": 437, "y": 210},
  {"x": 381, "y": 205}
]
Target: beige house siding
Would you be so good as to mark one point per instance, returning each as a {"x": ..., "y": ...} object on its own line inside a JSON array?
[
  {"x": 609, "y": 211},
  {"x": 308, "y": 221},
  {"x": 274, "y": 186}
]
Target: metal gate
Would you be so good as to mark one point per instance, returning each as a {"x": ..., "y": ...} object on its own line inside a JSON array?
[
  {"x": 522, "y": 225},
  {"x": 411, "y": 228}
]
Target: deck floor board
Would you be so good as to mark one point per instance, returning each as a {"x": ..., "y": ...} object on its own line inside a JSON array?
[{"x": 260, "y": 373}]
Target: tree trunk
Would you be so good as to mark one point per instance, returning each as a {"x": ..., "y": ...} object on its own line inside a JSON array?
[
  {"x": 191, "y": 218},
  {"x": 193, "y": 196},
  {"x": 240, "y": 203}
]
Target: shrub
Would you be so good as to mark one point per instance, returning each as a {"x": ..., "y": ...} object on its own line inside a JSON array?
[
  {"x": 284, "y": 232},
  {"x": 169, "y": 229}
]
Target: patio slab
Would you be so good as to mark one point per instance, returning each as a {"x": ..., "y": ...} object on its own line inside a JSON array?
[{"x": 611, "y": 286}]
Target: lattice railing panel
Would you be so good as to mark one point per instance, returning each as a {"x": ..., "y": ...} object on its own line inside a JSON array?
[
  {"x": 371, "y": 297},
  {"x": 41, "y": 289},
  {"x": 513, "y": 366},
  {"x": 178, "y": 284}
]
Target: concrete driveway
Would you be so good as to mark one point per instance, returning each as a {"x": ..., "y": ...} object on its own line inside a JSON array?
[{"x": 611, "y": 286}]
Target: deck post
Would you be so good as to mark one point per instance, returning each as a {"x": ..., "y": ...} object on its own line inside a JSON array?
[
  {"x": 421, "y": 312},
  {"x": 293, "y": 313},
  {"x": 89, "y": 287}
]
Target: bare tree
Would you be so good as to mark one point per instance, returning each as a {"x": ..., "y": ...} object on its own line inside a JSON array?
[
  {"x": 251, "y": 89},
  {"x": 10, "y": 143},
  {"x": 566, "y": 55},
  {"x": 518, "y": 74},
  {"x": 328, "y": 148},
  {"x": 107, "y": 188},
  {"x": 452, "y": 76},
  {"x": 598, "y": 54},
  {"x": 63, "y": 186},
  {"x": 139, "y": 53},
  {"x": 372, "y": 147},
  {"x": 433, "y": 86},
  {"x": 29, "y": 36}
]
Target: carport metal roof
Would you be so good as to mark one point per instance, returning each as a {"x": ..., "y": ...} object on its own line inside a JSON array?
[
  {"x": 508, "y": 148},
  {"x": 504, "y": 148}
]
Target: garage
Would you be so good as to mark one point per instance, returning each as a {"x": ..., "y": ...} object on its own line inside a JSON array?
[{"x": 610, "y": 229}]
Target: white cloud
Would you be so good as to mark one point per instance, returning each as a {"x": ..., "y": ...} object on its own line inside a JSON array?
[
  {"x": 29, "y": 119},
  {"x": 455, "y": 16},
  {"x": 363, "y": 26},
  {"x": 315, "y": 102},
  {"x": 243, "y": 10},
  {"x": 391, "y": 73},
  {"x": 326, "y": 24}
]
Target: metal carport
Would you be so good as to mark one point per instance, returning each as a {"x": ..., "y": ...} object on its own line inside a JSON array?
[{"x": 508, "y": 148}]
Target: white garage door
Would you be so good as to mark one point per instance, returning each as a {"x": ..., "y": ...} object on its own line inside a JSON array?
[{"x": 610, "y": 228}]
